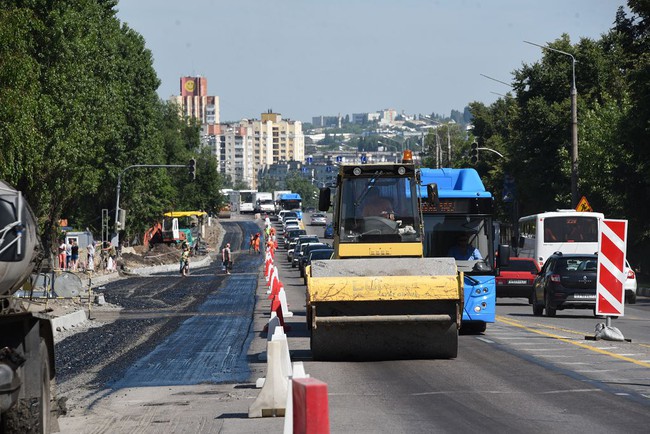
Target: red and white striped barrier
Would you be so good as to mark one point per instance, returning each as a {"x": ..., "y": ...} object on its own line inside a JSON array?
[{"x": 310, "y": 406}]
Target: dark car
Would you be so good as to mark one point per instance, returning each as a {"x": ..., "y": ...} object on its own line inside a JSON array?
[
  {"x": 302, "y": 242},
  {"x": 296, "y": 245},
  {"x": 304, "y": 254},
  {"x": 567, "y": 281},
  {"x": 516, "y": 278},
  {"x": 314, "y": 255},
  {"x": 329, "y": 231},
  {"x": 293, "y": 234}
]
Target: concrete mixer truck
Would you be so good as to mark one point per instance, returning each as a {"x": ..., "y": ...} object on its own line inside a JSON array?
[{"x": 26, "y": 340}]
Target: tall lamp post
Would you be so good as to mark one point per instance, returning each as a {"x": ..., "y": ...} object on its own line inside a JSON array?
[{"x": 574, "y": 124}]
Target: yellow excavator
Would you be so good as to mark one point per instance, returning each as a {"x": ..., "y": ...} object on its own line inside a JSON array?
[{"x": 379, "y": 298}]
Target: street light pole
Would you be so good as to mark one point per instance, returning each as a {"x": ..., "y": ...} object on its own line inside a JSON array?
[
  {"x": 574, "y": 124},
  {"x": 119, "y": 185}
]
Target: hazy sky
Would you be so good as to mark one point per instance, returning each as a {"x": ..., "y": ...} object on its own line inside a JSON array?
[{"x": 305, "y": 58}]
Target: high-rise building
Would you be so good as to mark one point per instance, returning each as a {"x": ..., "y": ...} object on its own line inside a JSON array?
[
  {"x": 195, "y": 103},
  {"x": 275, "y": 140},
  {"x": 232, "y": 144}
]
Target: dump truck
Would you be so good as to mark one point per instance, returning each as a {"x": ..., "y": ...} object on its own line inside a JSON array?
[
  {"x": 379, "y": 298},
  {"x": 26, "y": 339}
]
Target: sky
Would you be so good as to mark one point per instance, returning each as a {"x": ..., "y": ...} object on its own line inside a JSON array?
[{"x": 306, "y": 58}]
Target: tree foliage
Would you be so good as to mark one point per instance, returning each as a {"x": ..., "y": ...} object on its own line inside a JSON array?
[
  {"x": 532, "y": 128},
  {"x": 78, "y": 105}
]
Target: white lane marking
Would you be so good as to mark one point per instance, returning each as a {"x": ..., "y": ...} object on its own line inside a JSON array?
[{"x": 487, "y": 341}]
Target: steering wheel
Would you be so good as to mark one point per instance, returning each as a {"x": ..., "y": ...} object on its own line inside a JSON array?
[{"x": 381, "y": 225}]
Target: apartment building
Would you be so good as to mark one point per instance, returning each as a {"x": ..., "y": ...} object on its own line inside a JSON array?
[
  {"x": 243, "y": 148},
  {"x": 194, "y": 101}
]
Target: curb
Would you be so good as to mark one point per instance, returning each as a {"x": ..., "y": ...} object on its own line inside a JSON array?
[{"x": 64, "y": 322}]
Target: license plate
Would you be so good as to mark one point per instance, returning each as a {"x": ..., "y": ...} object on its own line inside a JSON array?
[
  {"x": 517, "y": 282},
  {"x": 585, "y": 296}
]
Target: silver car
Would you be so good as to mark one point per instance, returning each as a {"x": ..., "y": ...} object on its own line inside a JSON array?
[{"x": 318, "y": 219}]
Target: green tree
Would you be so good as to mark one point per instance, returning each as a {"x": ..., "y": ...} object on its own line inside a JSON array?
[{"x": 307, "y": 191}]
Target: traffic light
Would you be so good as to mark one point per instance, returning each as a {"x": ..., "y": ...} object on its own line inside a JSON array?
[
  {"x": 473, "y": 153},
  {"x": 192, "y": 167}
]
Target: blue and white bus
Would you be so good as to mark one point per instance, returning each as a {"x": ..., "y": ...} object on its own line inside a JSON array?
[
  {"x": 291, "y": 202},
  {"x": 464, "y": 212}
]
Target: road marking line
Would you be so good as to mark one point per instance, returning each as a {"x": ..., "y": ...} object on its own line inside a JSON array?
[
  {"x": 578, "y": 344},
  {"x": 487, "y": 341}
]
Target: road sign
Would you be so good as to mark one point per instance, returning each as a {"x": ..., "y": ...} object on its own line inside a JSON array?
[
  {"x": 583, "y": 205},
  {"x": 339, "y": 158},
  {"x": 611, "y": 275},
  {"x": 310, "y": 160}
]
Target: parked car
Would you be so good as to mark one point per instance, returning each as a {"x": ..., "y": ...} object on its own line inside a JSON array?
[
  {"x": 516, "y": 279},
  {"x": 630, "y": 284},
  {"x": 316, "y": 254},
  {"x": 565, "y": 281},
  {"x": 318, "y": 219},
  {"x": 329, "y": 231},
  {"x": 304, "y": 254}
]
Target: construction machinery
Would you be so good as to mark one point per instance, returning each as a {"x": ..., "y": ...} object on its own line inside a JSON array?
[
  {"x": 379, "y": 298},
  {"x": 26, "y": 339}
]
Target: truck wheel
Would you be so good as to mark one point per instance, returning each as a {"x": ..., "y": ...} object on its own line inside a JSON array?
[{"x": 32, "y": 414}]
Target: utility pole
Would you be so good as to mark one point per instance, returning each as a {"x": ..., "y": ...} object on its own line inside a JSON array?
[
  {"x": 115, "y": 238},
  {"x": 574, "y": 124},
  {"x": 448, "y": 146}
]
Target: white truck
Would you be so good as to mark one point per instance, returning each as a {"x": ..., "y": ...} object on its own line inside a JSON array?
[
  {"x": 276, "y": 198},
  {"x": 263, "y": 202}
]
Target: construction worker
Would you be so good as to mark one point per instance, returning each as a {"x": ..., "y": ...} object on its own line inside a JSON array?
[{"x": 226, "y": 258}]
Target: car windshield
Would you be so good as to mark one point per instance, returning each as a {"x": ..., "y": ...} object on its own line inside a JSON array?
[
  {"x": 379, "y": 209},
  {"x": 577, "y": 264},
  {"x": 467, "y": 238},
  {"x": 321, "y": 254}
]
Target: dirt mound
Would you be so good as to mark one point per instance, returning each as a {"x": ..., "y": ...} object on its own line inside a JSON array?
[
  {"x": 161, "y": 254},
  {"x": 158, "y": 255}
]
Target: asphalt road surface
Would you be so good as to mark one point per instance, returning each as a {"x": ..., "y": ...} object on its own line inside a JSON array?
[{"x": 182, "y": 356}]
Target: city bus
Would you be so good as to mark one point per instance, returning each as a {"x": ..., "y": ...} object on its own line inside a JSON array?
[
  {"x": 464, "y": 212},
  {"x": 246, "y": 201},
  {"x": 291, "y": 202},
  {"x": 566, "y": 231}
]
